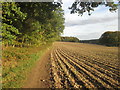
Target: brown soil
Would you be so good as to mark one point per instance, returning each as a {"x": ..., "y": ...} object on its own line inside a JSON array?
[
  {"x": 39, "y": 76},
  {"x": 76, "y": 65}
]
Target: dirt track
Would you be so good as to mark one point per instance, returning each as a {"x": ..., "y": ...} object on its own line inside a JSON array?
[
  {"x": 76, "y": 65},
  {"x": 39, "y": 76}
]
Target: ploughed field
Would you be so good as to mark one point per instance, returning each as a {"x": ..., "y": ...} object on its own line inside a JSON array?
[{"x": 78, "y": 65}]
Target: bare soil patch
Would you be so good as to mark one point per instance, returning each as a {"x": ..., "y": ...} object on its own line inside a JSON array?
[
  {"x": 77, "y": 65},
  {"x": 39, "y": 76}
]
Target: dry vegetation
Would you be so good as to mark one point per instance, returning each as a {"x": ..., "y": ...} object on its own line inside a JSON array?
[{"x": 77, "y": 65}]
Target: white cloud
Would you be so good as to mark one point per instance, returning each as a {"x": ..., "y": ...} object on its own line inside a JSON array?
[
  {"x": 89, "y": 27},
  {"x": 90, "y": 21}
]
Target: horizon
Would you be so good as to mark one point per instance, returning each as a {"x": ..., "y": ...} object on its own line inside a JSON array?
[
  {"x": 90, "y": 39},
  {"x": 89, "y": 27}
]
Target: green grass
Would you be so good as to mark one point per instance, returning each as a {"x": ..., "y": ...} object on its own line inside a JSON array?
[{"x": 17, "y": 62}]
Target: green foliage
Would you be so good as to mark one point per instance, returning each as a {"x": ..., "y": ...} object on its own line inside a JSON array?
[
  {"x": 9, "y": 34},
  {"x": 11, "y": 14},
  {"x": 81, "y": 7},
  {"x": 31, "y": 23},
  {"x": 110, "y": 38},
  {"x": 69, "y": 39}
]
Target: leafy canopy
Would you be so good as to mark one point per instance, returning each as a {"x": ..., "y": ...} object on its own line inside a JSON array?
[
  {"x": 31, "y": 23},
  {"x": 82, "y": 6}
]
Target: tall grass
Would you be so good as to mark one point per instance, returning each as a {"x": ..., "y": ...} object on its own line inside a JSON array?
[{"x": 17, "y": 62}]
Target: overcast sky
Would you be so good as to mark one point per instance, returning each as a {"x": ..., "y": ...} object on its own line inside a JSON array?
[{"x": 89, "y": 27}]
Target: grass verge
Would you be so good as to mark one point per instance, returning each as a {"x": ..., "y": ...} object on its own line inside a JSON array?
[{"x": 17, "y": 62}]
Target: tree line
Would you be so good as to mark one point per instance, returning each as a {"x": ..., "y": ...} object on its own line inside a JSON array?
[
  {"x": 109, "y": 38},
  {"x": 31, "y": 23},
  {"x": 69, "y": 39},
  {"x": 92, "y": 41}
]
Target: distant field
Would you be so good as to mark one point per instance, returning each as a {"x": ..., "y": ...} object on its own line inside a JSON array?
[{"x": 81, "y": 65}]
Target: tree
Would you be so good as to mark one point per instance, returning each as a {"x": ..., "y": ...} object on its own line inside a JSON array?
[
  {"x": 110, "y": 38},
  {"x": 82, "y": 6},
  {"x": 50, "y": 19},
  {"x": 31, "y": 23}
]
